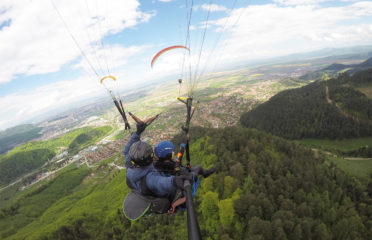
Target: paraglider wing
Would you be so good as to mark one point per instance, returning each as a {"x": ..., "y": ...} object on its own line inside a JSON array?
[
  {"x": 112, "y": 77},
  {"x": 165, "y": 50}
]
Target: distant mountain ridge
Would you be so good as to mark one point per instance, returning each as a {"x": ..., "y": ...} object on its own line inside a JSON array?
[
  {"x": 337, "y": 68},
  {"x": 332, "y": 109},
  {"x": 353, "y": 68}
]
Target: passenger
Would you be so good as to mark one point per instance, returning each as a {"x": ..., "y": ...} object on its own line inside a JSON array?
[{"x": 165, "y": 162}]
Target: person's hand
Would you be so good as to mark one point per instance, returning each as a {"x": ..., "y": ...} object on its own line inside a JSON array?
[
  {"x": 179, "y": 180},
  {"x": 141, "y": 126}
]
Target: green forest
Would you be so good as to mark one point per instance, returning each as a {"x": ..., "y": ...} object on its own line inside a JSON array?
[
  {"x": 87, "y": 138},
  {"x": 265, "y": 188},
  {"x": 331, "y": 109},
  {"x": 17, "y": 135},
  {"x": 20, "y": 163}
]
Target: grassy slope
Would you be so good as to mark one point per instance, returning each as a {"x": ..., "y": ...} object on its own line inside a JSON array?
[
  {"x": 366, "y": 89},
  {"x": 98, "y": 196},
  {"x": 55, "y": 144},
  {"x": 8, "y": 195},
  {"x": 358, "y": 168},
  {"x": 32, "y": 205},
  {"x": 89, "y": 201},
  {"x": 342, "y": 145},
  {"x": 120, "y": 135}
]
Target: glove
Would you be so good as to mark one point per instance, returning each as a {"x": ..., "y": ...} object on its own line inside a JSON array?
[
  {"x": 141, "y": 126},
  {"x": 178, "y": 180}
]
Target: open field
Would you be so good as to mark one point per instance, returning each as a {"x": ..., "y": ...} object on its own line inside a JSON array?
[
  {"x": 344, "y": 145},
  {"x": 358, "y": 168},
  {"x": 367, "y": 90}
]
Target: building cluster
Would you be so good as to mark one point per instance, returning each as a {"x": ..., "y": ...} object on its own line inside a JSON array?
[{"x": 98, "y": 153}]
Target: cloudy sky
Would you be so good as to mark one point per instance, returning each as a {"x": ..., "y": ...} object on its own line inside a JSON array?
[{"x": 53, "y": 53}]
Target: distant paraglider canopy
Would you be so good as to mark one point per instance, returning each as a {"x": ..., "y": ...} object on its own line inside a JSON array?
[
  {"x": 165, "y": 50},
  {"x": 112, "y": 77}
]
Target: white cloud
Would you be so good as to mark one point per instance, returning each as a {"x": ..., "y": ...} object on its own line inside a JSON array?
[
  {"x": 165, "y": 0},
  {"x": 209, "y": 7},
  {"x": 36, "y": 42},
  {"x": 23, "y": 105},
  {"x": 109, "y": 58},
  {"x": 300, "y": 2},
  {"x": 192, "y": 27},
  {"x": 213, "y": 7},
  {"x": 63, "y": 93},
  {"x": 270, "y": 30}
]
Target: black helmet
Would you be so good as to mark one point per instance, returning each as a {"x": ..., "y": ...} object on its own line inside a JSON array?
[{"x": 141, "y": 153}]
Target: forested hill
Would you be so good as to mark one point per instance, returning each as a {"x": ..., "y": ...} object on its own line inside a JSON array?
[
  {"x": 21, "y": 163},
  {"x": 17, "y": 135},
  {"x": 265, "y": 188},
  {"x": 334, "y": 109},
  {"x": 337, "y": 68}
]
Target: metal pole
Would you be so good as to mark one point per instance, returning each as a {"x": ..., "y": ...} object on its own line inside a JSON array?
[{"x": 192, "y": 221}]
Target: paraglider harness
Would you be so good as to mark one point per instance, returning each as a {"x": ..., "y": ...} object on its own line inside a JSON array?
[{"x": 138, "y": 204}]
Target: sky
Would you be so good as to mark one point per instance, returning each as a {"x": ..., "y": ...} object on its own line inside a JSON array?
[{"x": 53, "y": 53}]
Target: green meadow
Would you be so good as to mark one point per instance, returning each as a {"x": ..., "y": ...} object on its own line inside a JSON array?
[
  {"x": 344, "y": 145},
  {"x": 360, "y": 168}
]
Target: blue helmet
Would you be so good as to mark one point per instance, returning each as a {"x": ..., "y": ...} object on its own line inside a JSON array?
[{"x": 164, "y": 149}]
